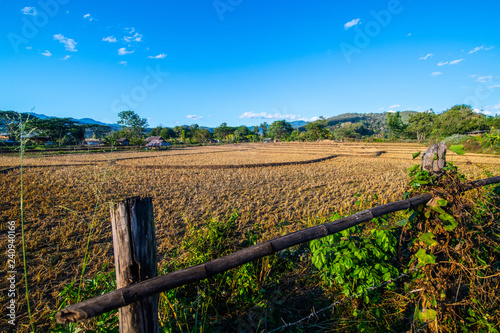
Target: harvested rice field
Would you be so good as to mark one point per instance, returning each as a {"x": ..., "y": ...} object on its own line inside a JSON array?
[{"x": 274, "y": 188}]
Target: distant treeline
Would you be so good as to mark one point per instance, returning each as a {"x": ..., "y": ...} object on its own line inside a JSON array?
[{"x": 412, "y": 125}]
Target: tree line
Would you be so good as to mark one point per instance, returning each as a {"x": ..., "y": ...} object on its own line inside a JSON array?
[{"x": 459, "y": 119}]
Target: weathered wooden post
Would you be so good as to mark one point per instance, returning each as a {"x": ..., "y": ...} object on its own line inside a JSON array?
[
  {"x": 434, "y": 159},
  {"x": 135, "y": 260}
]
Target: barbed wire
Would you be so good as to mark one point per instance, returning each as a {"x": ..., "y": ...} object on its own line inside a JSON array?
[{"x": 315, "y": 313}]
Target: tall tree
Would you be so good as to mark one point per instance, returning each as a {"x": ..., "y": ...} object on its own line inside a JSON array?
[
  {"x": 316, "y": 130},
  {"x": 280, "y": 128},
  {"x": 264, "y": 127},
  {"x": 395, "y": 124},
  {"x": 132, "y": 124},
  {"x": 420, "y": 125},
  {"x": 99, "y": 131}
]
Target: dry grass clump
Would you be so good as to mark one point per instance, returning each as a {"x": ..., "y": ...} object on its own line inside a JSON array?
[{"x": 61, "y": 204}]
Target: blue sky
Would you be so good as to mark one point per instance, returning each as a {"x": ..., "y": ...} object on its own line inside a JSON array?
[{"x": 180, "y": 62}]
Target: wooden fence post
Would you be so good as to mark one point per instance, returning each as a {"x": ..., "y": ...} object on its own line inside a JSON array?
[
  {"x": 135, "y": 260},
  {"x": 434, "y": 159}
]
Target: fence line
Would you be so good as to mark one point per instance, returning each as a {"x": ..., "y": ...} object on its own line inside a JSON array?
[{"x": 133, "y": 293}]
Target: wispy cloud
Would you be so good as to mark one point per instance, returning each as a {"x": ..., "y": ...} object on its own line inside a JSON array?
[
  {"x": 454, "y": 62},
  {"x": 408, "y": 35},
  {"x": 496, "y": 107},
  {"x": 474, "y": 50},
  {"x": 88, "y": 17},
  {"x": 351, "y": 24},
  {"x": 442, "y": 63},
  {"x": 122, "y": 63},
  {"x": 394, "y": 106},
  {"x": 495, "y": 86},
  {"x": 66, "y": 57},
  {"x": 69, "y": 43},
  {"x": 29, "y": 11},
  {"x": 265, "y": 115},
  {"x": 194, "y": 117},
  {"x": 482, "y": 47},
  {"x": 109, "y": 39},
  {"x": 426, "y": 57},
  {"x": 434, "y": 74},
  {"x": 47, "y": 53},
  {"x": 486, "y": 78},
  {"x": 133, "y": 36},
  {"x": 123, "y": 51},
  {"x": 159, "y": 56}
]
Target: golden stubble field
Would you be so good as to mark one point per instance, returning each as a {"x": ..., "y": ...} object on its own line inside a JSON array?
[{"x": 72, "y": 193}]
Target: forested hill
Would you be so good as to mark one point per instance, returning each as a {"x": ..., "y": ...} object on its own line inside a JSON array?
[{"x": 364, "y": 123}]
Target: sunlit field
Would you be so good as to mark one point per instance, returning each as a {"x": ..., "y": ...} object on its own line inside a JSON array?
[{"x": 263, "y": 183}]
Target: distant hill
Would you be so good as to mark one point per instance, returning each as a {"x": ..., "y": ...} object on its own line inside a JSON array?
[
  {"x": 83, "y": 121},
  {"x": 374, "y": 122}
]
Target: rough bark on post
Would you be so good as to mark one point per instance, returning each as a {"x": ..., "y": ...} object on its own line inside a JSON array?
[
  {"x": 135, "y": 260},
  {"x": 434, "y": 159}
]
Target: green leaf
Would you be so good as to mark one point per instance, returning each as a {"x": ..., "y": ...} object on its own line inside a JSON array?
[
  {"x": 415, "y": 155},
  {"x": 425, "y": 258},
  {"x": 428, "y": 315},
  {"x": 458, "y": 149},
  {"x": 451, "y": 226},
  {"x": 442, "y": 202},
  {"x": 428, "y": 239},
  {"x": 414, "y": 168},
  {"x": 402, "y": 222}
]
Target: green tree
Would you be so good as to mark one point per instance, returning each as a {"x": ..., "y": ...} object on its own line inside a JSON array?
[
  {"x": 316, "y": 131},
  {"x": 167, "y": 133},
  {"x": 280, "y": 128},
  {"x": 420, "y": 125},
  {"x": 223, "y": 131},
  {"x": 132, "y": 124},
  {"x": 99, "y": 131},
  {"x": 459, "y": 119},
  {"x": 395, "y": 124},
  {"x": 264, "y": 127},
  {"x": 241, "y": 133}
]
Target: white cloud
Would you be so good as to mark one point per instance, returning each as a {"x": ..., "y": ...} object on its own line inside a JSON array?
[
  {"x": 351, "y": 24},
  {"x": 194, "y": 117},
  {"x": 159, "y": 56},
  {"x": 495, "y": 86},
  {"x": 434, "y": 74},
  {"x": 69, "y": 43},
  {"x": 265, "y": 115},
  {"x": 47, "y": 53},
  {"x": 486, "y": 112},
  {"x": 394, "y": 106},
  {"x": 486, "y": 78},
  {"x": 109, "y": 39},
  {"x": 454, "y": 62},
  {"x": 408, "y": 35},
  {"x": 380, "y": 109},
  {"x": 482, "y": 47},
  {"x": 426, "y": 57},
  {"x": 133, "y": 36},
  {"x": 391, "y": 111},
  {"x": 122, "y": 63},
  {"x": 29, "y": 11},
  {"x": 442, "y": 63},
  {"x": 123, "y": 51},
  {"x": 496, "y": 107},
  {"x": 66, "y": 57},
  {"x": 88, "y": 17},
  {"x": 474, "y": 50},
  {"x": 29, "y": 47}
]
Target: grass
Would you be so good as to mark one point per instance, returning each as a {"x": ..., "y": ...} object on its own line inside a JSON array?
[{"x": 270, "y": 201}]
